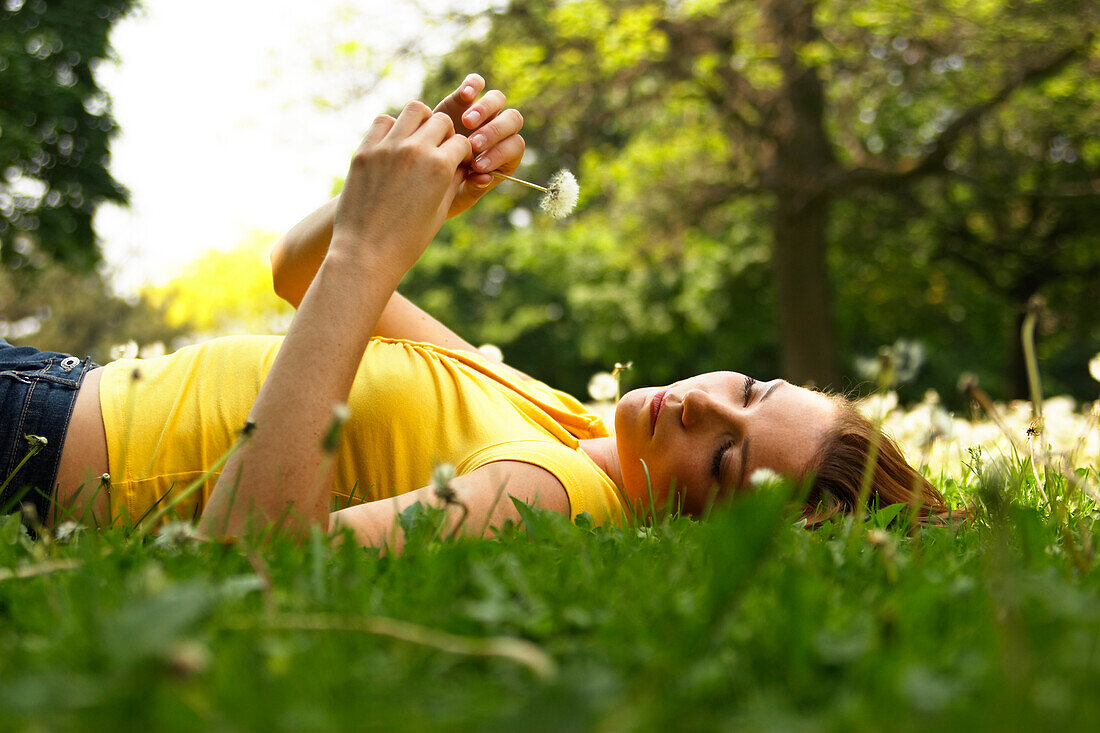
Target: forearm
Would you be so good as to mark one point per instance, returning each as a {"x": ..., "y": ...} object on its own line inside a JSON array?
[
  {"x": 299, "y": 253},
  {"x": 281, "y": 473},
  {"x": 400, "y": 181}
]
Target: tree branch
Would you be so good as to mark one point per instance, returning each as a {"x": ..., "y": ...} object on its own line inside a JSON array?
[{"x": 933, "y": 160}]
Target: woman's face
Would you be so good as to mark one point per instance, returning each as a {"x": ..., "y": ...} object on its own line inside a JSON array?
[{"x": 706, "y": 435}]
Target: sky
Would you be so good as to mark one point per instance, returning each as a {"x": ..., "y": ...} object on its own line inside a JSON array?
[{"x": 221, "y": 130}]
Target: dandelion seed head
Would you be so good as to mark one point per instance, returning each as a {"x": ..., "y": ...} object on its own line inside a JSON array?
[
  {"x": 603, "y": 386},
  {"x": 128, "y": 350},
  {"x": 442, "y": 475},
  {"x": 67, "y": 531},
  {"x": 561, "y": 195},
  {"x": 764, "y": 477}
]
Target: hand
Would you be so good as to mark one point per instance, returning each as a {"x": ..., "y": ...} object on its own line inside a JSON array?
[
  {"x": 402, "y": 181},
  {"x": 494, "y": 138}
]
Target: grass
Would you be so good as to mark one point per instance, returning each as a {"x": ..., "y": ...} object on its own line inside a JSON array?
[{"x": 744, "y": 621}]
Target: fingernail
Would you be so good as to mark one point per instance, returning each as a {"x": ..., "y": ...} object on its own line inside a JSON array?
[
  {"x": 477, "y": 142},
  {"x": 472, "y": 118},
  {"x": 481, "y": 164},
  {"x": 482, "y": 185},
  {"x": 467, "y": 90}
]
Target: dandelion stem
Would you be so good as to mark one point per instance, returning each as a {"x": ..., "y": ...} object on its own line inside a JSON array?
[
  {"x": 515, "y": 649},
  {"x": 1027, "y": 339},
  {"x": 144, "y": 525},
  {"x": 35, "y": 447},
  {"x": 520, "y": 181},
  {"x": 43, "y": 568}
]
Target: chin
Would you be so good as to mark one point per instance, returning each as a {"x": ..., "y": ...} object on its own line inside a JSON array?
[{"x": 627, "y": 408}]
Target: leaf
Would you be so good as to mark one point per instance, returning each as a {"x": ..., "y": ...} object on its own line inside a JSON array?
[
  {"x": 152, "y": 625},
  {"x": 886, "y": 515},
  {"x": 543, "y": 525},
  {"x": 11, "y": 529}
]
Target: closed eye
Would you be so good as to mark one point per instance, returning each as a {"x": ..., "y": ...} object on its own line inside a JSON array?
[
  {"x": 749, "y": 384},
  {"x": 716, "y": 464}
]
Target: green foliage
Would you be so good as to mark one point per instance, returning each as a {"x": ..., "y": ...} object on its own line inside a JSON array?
[
  {"x": 57, "y": 309},
  {"x": 55, "y": 129},
  {"x": 568, "y": 300},
  {"x": 743, "y": 621},
  {"x": 919, "y": 122},
  {"x": 222, "y": 292}
]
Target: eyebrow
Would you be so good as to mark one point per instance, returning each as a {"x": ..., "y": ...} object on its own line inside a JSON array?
[{"x": 745, "y": 443}]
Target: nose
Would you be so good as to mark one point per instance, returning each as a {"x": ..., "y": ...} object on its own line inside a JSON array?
[{"x": 700, "y": 406}]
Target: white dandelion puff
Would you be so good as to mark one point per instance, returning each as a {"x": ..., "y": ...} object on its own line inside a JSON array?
[
  {"x": 128, "y": 350},
  {"x": 559, "y": 197},
  {"x": 603, "y": 387},
  {"x": 764, "y": 477}
]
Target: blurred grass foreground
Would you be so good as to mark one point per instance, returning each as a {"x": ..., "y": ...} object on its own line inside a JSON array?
[{"x": 744, "y": 620}]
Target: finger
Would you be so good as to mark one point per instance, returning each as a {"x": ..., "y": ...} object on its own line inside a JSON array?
[
  {"x": 485, "y": 108},
  {"x": 411, "y": 118},
  {"x": 509, "y": 149},
  {"x": 479, "y": 180},
  {"x": 504, "y": 125},
  {"x": 455, "y": 103},
  {"x": 378, "y": 129},
  {"x": 438, "y": 128},
  {"x": 456, "y": 148}
]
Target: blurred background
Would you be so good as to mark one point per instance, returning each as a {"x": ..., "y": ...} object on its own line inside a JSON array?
[{"x": 780, "y": 187}]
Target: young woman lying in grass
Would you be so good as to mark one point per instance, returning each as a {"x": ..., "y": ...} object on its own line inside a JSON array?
[{"x": 418, "y": 394}]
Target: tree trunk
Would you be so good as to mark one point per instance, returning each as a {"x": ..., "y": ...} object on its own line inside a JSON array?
[
  {"x": 802, "y": 163},
  {"x": 802, "y": 279}
]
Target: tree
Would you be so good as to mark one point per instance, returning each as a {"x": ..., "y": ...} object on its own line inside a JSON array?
[
  {"x": 671, "y": 110},
  {"x": 77, "y": 313},
  {"x": 55, "y": 129},
  {"x": 1020, "y": 212}
]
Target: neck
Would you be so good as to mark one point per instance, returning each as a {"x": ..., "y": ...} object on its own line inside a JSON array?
[{"x": 605, "y": 454}]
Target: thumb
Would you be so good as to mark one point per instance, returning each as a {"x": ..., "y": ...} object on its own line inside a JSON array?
[{"x": 453, "y": 189}]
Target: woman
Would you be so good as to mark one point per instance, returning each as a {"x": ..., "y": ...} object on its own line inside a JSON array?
[{"x": 419, "y": 394}]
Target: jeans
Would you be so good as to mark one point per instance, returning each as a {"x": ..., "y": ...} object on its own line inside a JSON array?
[{"x": 37, "y": 393}]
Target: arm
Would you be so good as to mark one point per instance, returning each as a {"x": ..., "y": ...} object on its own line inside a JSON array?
[
  {"x": 297, "y": 256},
  {"x": 485, "y": 493},
  {"x": 399, "y": 188}
]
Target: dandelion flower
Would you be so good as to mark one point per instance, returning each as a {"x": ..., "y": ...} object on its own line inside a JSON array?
[
  {"x": 491, "y": 352},
  {"x": 603, "y": 387},
  {"x": 559, "y": 197},
  {"x": 442, "y": 476},
  {"x": 764, "y": 477},
  {"x": 1094, "y": 367},
  {"x": 128, "y": 350}
]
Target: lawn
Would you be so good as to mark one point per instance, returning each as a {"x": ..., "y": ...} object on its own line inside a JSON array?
[{"x": 743, "y": 621}]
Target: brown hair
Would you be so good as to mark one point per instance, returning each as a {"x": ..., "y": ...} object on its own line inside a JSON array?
[{"x": 838, "y": 467}]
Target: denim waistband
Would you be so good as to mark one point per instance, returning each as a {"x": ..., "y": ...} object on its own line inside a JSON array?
[{"x": 37, "y": 393}]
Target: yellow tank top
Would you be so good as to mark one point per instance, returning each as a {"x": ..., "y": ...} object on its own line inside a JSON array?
[{"x": 413, "y": 405}]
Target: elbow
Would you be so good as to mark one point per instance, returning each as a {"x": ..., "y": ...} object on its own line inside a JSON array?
[{"x": 280, "y": 282}]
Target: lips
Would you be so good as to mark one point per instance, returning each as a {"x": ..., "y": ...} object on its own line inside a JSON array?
[{"x": 655, "y": 408}]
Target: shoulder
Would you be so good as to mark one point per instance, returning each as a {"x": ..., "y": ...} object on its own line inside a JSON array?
[
  {"x": 530, "y": 483},
  {"x": 585, "y": 486}
]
